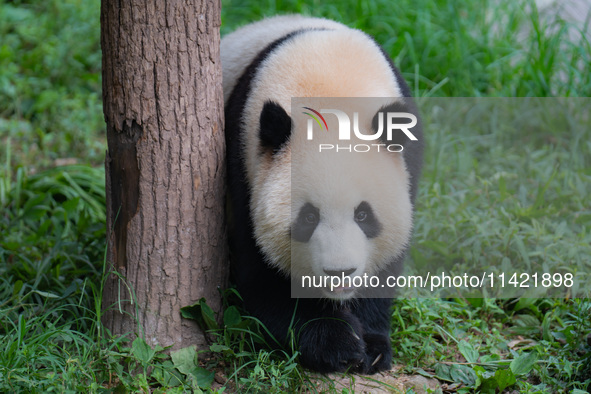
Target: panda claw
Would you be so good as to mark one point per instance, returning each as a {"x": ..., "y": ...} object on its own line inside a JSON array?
[{"x": 378, "y": 358}]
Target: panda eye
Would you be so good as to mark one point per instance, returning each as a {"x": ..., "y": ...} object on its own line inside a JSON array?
[
  {"x": 360, "y": 216},
  {"x": 305, "y": 224},
  {"x": 311, "y": 218}
]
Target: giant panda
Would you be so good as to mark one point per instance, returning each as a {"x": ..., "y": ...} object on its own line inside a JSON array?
[{"x": 361, "y": 223}]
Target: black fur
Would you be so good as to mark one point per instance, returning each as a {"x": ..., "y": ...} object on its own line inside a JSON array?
[
  {"x": 413, "y": 150},
  {"x": 398, "y": 137},
  {"x": 275, "y": 127},
  {"x": 331, "y": 336}
]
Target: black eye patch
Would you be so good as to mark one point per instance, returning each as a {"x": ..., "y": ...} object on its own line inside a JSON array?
[
  {"x": 366, "y": 220},
  {"x": 305, "y": 224}
]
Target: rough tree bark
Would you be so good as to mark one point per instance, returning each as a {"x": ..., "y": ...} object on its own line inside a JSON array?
[{"x": 165, "y": 166}]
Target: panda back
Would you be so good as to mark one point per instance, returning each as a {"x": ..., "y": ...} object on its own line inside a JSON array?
[{"x": 240, "y": 48}]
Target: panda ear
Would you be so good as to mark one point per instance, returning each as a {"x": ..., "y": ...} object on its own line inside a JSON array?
[
  {"x": 275, "y": 126},
  {"x": 398, "y": 136}
]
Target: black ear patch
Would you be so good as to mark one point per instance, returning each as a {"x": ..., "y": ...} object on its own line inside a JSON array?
[
  {"x": 275, "y": 126},
  {"x": 398, "y": 136}
]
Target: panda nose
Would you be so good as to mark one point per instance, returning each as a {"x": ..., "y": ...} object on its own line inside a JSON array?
[{"x": 346, "y": 272}]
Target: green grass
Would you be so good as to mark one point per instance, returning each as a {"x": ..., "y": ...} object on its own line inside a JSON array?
[
  {"x": 50, "y": 62},
  {"x": 456, "y": 48},
  {"x": 491, "y": 195},
  {"x": 515, "y": 187}
]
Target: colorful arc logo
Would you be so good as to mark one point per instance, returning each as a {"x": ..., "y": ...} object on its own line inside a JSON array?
[{"x": 315, "y": 118}]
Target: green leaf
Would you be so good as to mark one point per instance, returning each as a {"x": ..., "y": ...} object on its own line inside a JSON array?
[
  {"x": 167, "y": 375},
  {"x": 424, "y": 373},
  {"x": 70, "y": 206},
  {"x": 192, "y": 312},
  {"x": 208, "y": 316},
  {"x": 524, "y": 302},
  {"x": 142, "y": 351},
  {"x": 527, "y": 321},
  {"x": 522, "y": 250},
  {"x": 185, "y": 360},
  {"x": 469, "y": 353},
  {"x": 232, "y": 316},
  {"x": 524, "y": 363},
  {"x": 442, "y": 372},
  {"x": 217, "y": 348},
  {"x": 485, "y": 380},
  {"x": 488, "y": 358},
  {"x": 488, "y": 386},
  {"x": 204, "y": 377},
  {"x": 504, "y": 378},
  {"x": 33, "y": 209},
  {"x": 476, "y": 302},
  {"x": 202, "y": 313},
  {"x": 18, "y": 285},
  {"x": 463, "y": 373}
]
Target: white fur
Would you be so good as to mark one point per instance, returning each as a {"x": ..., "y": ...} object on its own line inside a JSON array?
[
  {"x": 239, "y": 48},
  {"x": 340, "y": 62}
]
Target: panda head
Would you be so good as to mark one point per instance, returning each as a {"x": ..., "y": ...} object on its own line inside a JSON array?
[{"x": 330, "y": 213}]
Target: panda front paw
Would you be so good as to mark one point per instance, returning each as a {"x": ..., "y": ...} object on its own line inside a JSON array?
[
  {"x": 333, "y": 344},
  {"x": 378, "y": 354}
]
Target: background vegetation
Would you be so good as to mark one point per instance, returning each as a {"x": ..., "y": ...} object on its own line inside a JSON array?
[{"x": 52, "y": 227}]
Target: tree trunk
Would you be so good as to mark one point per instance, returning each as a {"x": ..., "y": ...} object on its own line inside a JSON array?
[{"x": 165, "y": 166}]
